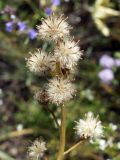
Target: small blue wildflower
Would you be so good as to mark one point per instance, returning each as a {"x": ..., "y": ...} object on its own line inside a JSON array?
[
  {"x": 106, "y": 75},
  {"x": 32, "y": 33},
  {"x": 48, "y": 11},
  {"x": 56, "y": 2},
  {"x": 107, "y": 61},
  {"x": 9, "y": 26},
  {"x": 117, "y": 62},
  {"x": 21, "y": 26}
]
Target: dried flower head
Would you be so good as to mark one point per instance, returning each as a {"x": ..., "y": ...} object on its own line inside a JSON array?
[
  {"x": 53, "y": 28},
  {"x": 38, "y": 62},
  {"x": 60, "y": 90},
  {"x": 37, "y": 149},
  {"x": 41, "y": 96},
  {"x": 68, "y": 53},
  {"x": 89, "y": 127}
]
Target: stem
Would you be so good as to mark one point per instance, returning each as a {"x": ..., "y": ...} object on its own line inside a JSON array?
[
  {"x": 73, "y": 147},
  {"x": 62, "y": 134},
  {"x": 54, "y": 117},
  {"x": 16, "y": 134},
  {"x": 52, "y": 114}
]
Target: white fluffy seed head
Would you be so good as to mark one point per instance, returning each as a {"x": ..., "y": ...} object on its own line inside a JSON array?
[
  {"x": 68, "y": 53},
  {"x": 60, "y": 90},
  {"x": 54, "y": 28},
  {"x": 89, "y": 127},
  {"x": 37, "y": 149},
  {"x": 38, "y": 62}
]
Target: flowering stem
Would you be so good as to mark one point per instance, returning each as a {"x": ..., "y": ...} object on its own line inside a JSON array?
[
  {"x": 62, "y": 134},
  {"x": 73, "y": 147}
]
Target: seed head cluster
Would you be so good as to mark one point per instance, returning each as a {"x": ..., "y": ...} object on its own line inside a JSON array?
[{"x": 60, "y": 64}]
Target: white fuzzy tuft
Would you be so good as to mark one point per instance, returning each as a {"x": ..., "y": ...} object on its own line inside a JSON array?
[
  {"x": 53, "y": 28},
  {"x": 68, "y": 53},
  {"x": 60, "y": 90},
  {"x": 38, "y": 62},
  {"x": 89, "y": 127},
  {"x": 37, "y": 149}
]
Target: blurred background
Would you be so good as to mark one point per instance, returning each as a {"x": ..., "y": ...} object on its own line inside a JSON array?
[{"x": 97, "y": 24}]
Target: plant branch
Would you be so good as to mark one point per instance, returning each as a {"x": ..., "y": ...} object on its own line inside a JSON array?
[
  {"x": 16, "y": 134},
  {"x": 54, "y": 117},
  {"x": 73, "y": 147},
  {"x": 62, "y": 134}
]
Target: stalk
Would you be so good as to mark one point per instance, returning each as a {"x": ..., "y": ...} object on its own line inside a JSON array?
[
  {"x": 62, "y": 134},
  {"x": 73, "y": 147}
]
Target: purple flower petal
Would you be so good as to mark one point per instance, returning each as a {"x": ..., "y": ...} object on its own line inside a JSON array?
[
  {"x": 107, "y": 61},
  {"x": 48, "y": 11},
  {"x": 32, "y": 34},
  {"x": 56, "y": 2},
  {"x": 21, "y": 26},
  {"x": 9, "y": 26},
  {"x": 106, "y": 75}
]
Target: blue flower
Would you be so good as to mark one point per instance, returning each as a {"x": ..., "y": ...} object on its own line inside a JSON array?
[
  {"x": 106, "y": 75},
  {"x": 56, "y": 2},
  {"x": 32, "y": 33},
  {"x": 117, "y": 62},
  {"x": 107, "y": 61},
  {"x": 48, "y": 11},
  {"x": 21, "y": 26},
  {"x": 9, "y": 26}
]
